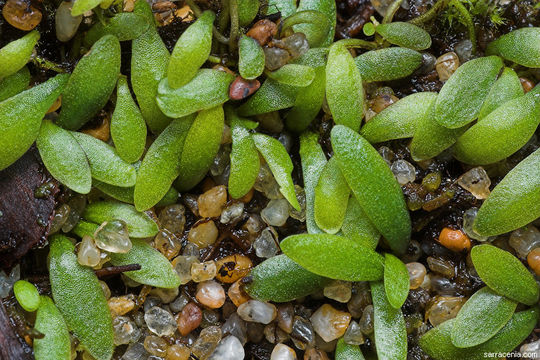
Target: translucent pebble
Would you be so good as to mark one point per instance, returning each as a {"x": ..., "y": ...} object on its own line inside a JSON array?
[
  {"x": 441, "y": 266},
  {"x": 353, "y": 334},
  {"x": 266, "y": 244},
  {"x": 229, "y": 348},
  {"x": 257, "y": 311},
  {"x": 60, "y": 216},
  {"x": 178, "y": 352},
  {"x": 172, "y": 218},
  {"x": 476, "y": 181},
  {"x": 113, "y": 236},
  {"x": 275, "y": 57},
  {"x": 339, "y": 290},
  {"x": 191, "y": 250},
  {"x": 359, "y": 300},
  {"x": 530, "y": 350},
  {"x": 446, "y": 65},
  {"x": 441, "y": 285},
  {"x": 88, "y": 254},
  {"x": 381, "y": 102},
  {"x": 417, "y": 272},
  {"x": 387, "y": 154},
  {"x": 468, "y": 220},
  {"x": 106, "y": 290},
  {"x": 533, "y": 259},
  {"x": 189, "y": 319},
  {"x": 121, "y": 305},
  {"x": 155, "y": 345},
  {"x": 366, "y": 321},
  {"x": 237, "y": 294},
  {"x": 125, "y": 330},
  {"x": 404, "y": 171},
  {"x": 283, "y": 352},
  {"x": 135, "y": 352},
  {"x": 276, "y": 212},
  {"x": 301, "y": 197},
  {"x": 204, "y": 234},
  {"x": 210, "y": 294},
  {"x": 165, "y": 295},
  {"x": 272, "y": 122},
  {"x": 178, "y": 304},
  {"x": 444, "y": 308},
  {"x": 235, "y": 326},
  {"x": 303, "y": 331},
  {"x": 221, "y": 161},
  {"x": 524, "y": 240},
  {"x": 203, "y": 271},
  {"x": 432, "y": 181},
  {"x": 212, "y": 202},
  {"x": 463, "y": 50},
  {"x": 232, "y": 213},
  {"x": 7, "y": 280},
  {"x": 267, "y": 184},
  {"x": 66, "y": 25},
  {"x": 428, "y": 64},
  {"x": 330, "y": 323},
  {"x": 285, "y": 316},
  {"x": 21, "y": 15},
  {"x": 160, "y": 321},
  {"x": 253, "y": 226},
  {"x": 296, "y": 44},
  {"x": 207, "y": 342},
  {"x": 182, "y": 266},
  {"x": 76, "y": 205},
  {"x": 167, "y": 243},
  {"x": 150, "y": 302}
]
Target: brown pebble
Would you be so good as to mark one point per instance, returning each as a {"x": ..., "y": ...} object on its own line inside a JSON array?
[
  {"x": 212, "y": 201},
  {"x": 21, "y": 14},
  {"x": 232, "y": 267},
  {"x": 455, "y": 240},
  {"x": 102, "y": 132},
  {"x": 56, "y": 105},
  {"x": 533, "y": 259},
  {"x": 263, "y": 31},
  {"x": 242, "y": 88},
  {"x": 189, "y": 319},
  {"x": 526, "y": 84},
  {"x": 237, "y": 294},
  {"x": 315, "y": 354}
]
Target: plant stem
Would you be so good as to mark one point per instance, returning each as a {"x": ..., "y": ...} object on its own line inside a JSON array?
[
  {"x": 431, "y": 13},
  {"x": 467, "y": 21},
  {"x": 358, "y": 43},
  {"x": 391, "y": 11},
  {"x": 47, "y": 65},
  {"x": 233, "y": 34}
]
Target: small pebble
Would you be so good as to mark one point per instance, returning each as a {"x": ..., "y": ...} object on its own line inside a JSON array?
[
  {"x": 172, "y": 218},
  {"x": 167, "y": 243},
  {"x": 275, "y": 57},
  {"x": 476, "y": 181},
  {"x": 296, "y": 44},
  {"x": 237, "y": 294},
  {"x": 444, "y": 308},
  {"x": 210, "y": 294},
  {"x": 366, "y": 321},
  {"x": 463, "y": 50},
  {"x": 285, "y": 316},
  {"x": 303, "y": 332},
  {"x": 165, "y": 295},
  {"x": 125, "y": 330},
  {"x": 121, "y": 305},
  {"x": 160, "y": 321},
  {"x": 527, "y": 84},
  {"x": 113, "y": 236},
  {"x": 468, "y": 221},
  {"x": 88, "y": 254},
  {"x": 257, "y": 311},
  {"x": 404, "y": 171},
  {"x": 212, "y": 202},
  {"x": 229, "y": 348},
  {"x": 241, "y": 88},
  {"x": 446, "y": 65},
  {"x": 189, "y": 319},
  {"x": 21, "y": 15},
  {"x": 455, "y": 240},
  {"x": 530, "y": 350},
  {"x": 182, "y": 266},
  {"x": 533, "y": 259},
  {"x": 282, "y": 352},
  {"x": 330, "y": 323},
  {"x": 524, "y": 240},
  {"x": 266, "y": 244},
  {"x": 353, "y": 334},
  {"x": 232, "y": 213},
  {"x": 178, "y": 352},
  {"x": 263, "y": 31},
  {"x": 232, "y": 267},
  {"x": 135, "y": 351},
  {"x": 299, "y": 215},
  {"x": 339, "y": 290},
  {"x": 203, "y": 271},
  {"x": 203, "y": 234},
  {"x": 276, "y": 212},
  {"x": 206, "y": 343},
  {"x": 315, "y": 354},
  {"x": 441, "y": 266},
  {"x": 155, "y": 345},
  {"x": 417, "y": 272}
]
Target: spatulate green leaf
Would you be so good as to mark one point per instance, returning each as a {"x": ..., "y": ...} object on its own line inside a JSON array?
[
  {"x": 346, "y": 351},
  {"x": 139, "y": 224},
  {"x": 250, "y": 57},
  {"x": 503, "y": 211},
  {"x": 16, "y": 53},
  {"x": 388, "y": 326},
  {"x": 507, "y": 87},
  {"x": 125, "y": 26},
  {"x": 64, "y": 157},
  {"x": 387, "y": 64},
  {"x": 331, "y": 196},
  {"x": 280, "y": 279},
  {"x": 358, "y": 227},
  {"x": 405, "y": 34},
  {"x": 521, "y": 46},
  {"x": 14, "y": 83},
  {"x": 280, "y": 164},
  {"x": 293, "y": 74},
  {"x": 80, "y": 299},
  {"x": 396, "y": 281},
  {"x": 462, "y": 96},
  {"x": 374, "y": 186},
  {"x": 245, "y": 161},
  {"x": 328, "y": 8},
  {"x": 56, "y": 344},
  {"x": 334, "y": 256},
  {"x": 27, "y": 295},
  {"x": 82, "y": 6},
  {"x": 271, "y": 96},
  {"x": 481, "y": 317},
  {"x": 504, "y": 273}
]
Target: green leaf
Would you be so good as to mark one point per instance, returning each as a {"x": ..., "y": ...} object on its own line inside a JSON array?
[
  {"x": 200, "y": 147},
  {"x": 521, "y": 46},
  {"x": 91, "y": 83},
  {"x": 346, "y": 351},
  {"x": 80, "y": 299},
  {"x": 399, "y": 120},
  {"x": 250, "y": 57},
  {"x": 462, "y": 96},
  {"x": 191, "y": 51},
  {"x": 280, "y": 164},
  {"x": 284, "y": 7},
  {"x": 209, "y": 88},
  {"x": 149, "y": 62},
  {"x": 507, "y": 87},
  {"x": 293, "y": 74},
  {"x": 124, "y": 194},
  {"x": 503, "y": 211},
  {"x": 331, "y": 197},
  {"x": 20, "y": 123},
  {"x": 245, "y": 161},
  {"x": 82, "y": 6},
  {"x": 481, "y": 317},
  {"x": 14, "y": 83},
  {"x": 125, "y": 26},
  {"x": 56, "y": 344},
  {"x": 328, "y": 8},
  {"x": 16, "y": 54},
  {"x": 270, "y": 97},
  {"x": 128, "y": 129},
  {"x": 308, "y": 103},
  {"x": 374, "y": 186},
  {"x": 247, "y": 11},
  {"x": 280, "y": 279},
  {"x": 504, "y": 273},
  {"x": 357, "y": 226},
  {"x": 313, "y": 162},
  {"x": 105, "y": 164},
  {"x": 387, "y": 64},
  {"x": 334, "y": 256},
  {"x": 64, "y": 157},
  {"x": 139, "y": 224},
  {"x": 405, "y": 34},
  {"x": 160, "y": 165},
  {"x": 85, "y": 228},
  {"x": 388, "y": 326},
  {"x": 396, "y": 280},
  {"x": 27, "y": 295},
  {"x": 155, "y": 270},
  {"x": 344, "y": 91},
  {"x": 501, "y": 133},
  {"x": 437, "y": 342}
]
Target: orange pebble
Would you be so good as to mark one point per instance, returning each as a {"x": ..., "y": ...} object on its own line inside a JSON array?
[
  {"x": 533, "y": 259},
  {"x": 526, "y": 84},
  {"x": 455, "y": 240}
]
